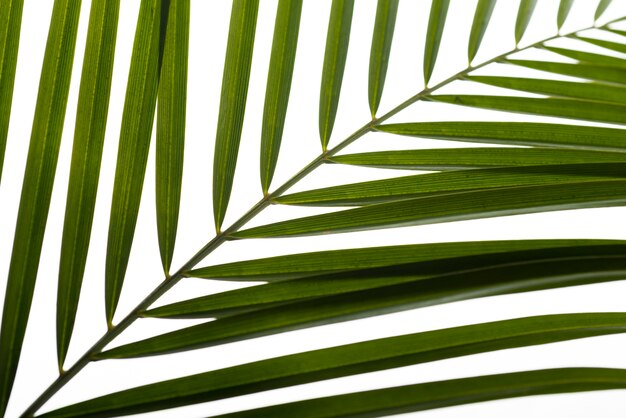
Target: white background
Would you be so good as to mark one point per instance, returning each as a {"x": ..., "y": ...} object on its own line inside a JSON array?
[{"x": 209, "y": 27}]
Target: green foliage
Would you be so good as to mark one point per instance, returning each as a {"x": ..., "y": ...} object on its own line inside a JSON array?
[{"x": 535, "y": 167}]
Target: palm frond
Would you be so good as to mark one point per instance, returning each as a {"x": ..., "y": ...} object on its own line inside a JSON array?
[{"x": 570, "y": 156}]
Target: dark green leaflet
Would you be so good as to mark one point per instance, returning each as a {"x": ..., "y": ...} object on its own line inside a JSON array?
[
  {"x": 170, "y": 137},
  {"x": 280, "y": 291},
  {"x": 232, "y": 102},
  {"x": 282, "y": 60},
  {"x": 337, "y": 41},
  {"x": 436, "y": 24},
  {"x": 515, "y": 133},
  {"x": 575, "y": 90},
  {"x": 450, "y": 208},
  {"x": 484, "y": 9},
  {"x": 41, "y": 164},
  {"x": 11, "y": 16},
  {"x": 470, "y": 158},
  {"x": 613, "y": 46},
  {"x": 588, "y": 71},
  {"x": 425, "y": 396},
  {"x": 468, "y": 282},
  {"x": 309, "y": 264},
  {"x": 424, "y": 185},
  {"x": 93, "y": 104},
  {"x": 565, "y": 108},
  {"x": 384, "y": 26},
  {"x": 136, "y": 130},
  {"x": 524, "y": 14},
  {"x": 588, "y": 57},
  {"x": 348, "y": 360}
]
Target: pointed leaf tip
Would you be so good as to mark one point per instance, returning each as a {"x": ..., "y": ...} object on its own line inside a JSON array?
[
  {"x": 524, "y": 14},
  {"x": 233, "y": 102},
  {"x": 337, "y": 40},
  {"x": 436, "y": 24},
  {"x": 170, "y": 136},
  {"x": 384, "y": 26},
  {"x": 279, "y": 77},
  {"x": 91, "y": 117},
  {"x": 482, "y": 16},
  {"x": 41, "y": 162},
  {"x": 134, "y": 144}
]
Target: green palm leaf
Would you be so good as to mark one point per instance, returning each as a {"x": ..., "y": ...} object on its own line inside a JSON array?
[
  {"x": 170, "y": 138},
  {"x": 589, "y": 71},
  {"x": 445, "y": 393},
  {"x": 37, "y": 187},
  {"x": 588, "y": 57},
  {"x": 89, "y": 133},
  {"x": 514, "y": 133},
  {"x": 613, "y": 46},
  {"x": 11, "y": 16},
  {"x": 279, "y": 291},
  {"x": 584, "y": 91},
  {"x": 279, "y": 85},
  {"x": 484, "y": 9},
  {"x": 386, "y": 13},
  {"x": 469, "y": 158},
  {"x": 602, "y": 6},
  {"x": 564, "y": 108},
  {"x": 337, "y": 41},
  {"x": 477, "y": 204},
  {"x": 308, "y": 264},
  {"x": 436, "y": 24},
  {"x": 524, "y": 14},
  {"x": 528, "y": 167},
  {"x": 348, "y": 360},
  {"x": 132, "y": 157},
  {"x": 565, "y": 6},
  {"x": 233, "y": 102},
  {"x": 393, "y": 189},
  {"x": 467, "y": 280}
]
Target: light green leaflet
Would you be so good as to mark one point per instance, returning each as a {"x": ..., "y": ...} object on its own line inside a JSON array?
[
  {"x": 613, "y": 46},
  {"x": 564, "y": 8},
  {"x": 285, "y": 289},
  {"x": 424, "y": 284},
  {"x": 349, "y": 360},
  {"x": 588, "y": 57},
  {"x": 337, "y": 40},
  {"x": 602, "y": 6},
  {"x": 469, "y": 158},
  {"x": 593, "y": 72},
  {"x": 585, "y": 91},
  {"x": 232, "y": 102},
  {"x": 384, "y": 26},
  {"x": 283, "y": 56},
  {"x": 170, "y": 136},
  {"x": 308, "y": 264},
  {"x": 436, "y": 24},
  {"x": 516, "y": 133},
  {"x": 524, "y": 14},
  {"x": 91, "y": 117},
  {"x": 425, "y": 396},
  {"x": 41, "y": 164},
  {"x": 137, "y": 121},
  {"x": 10, "y": 23},
  {"x": 482, "y": 16},
  {"x": 565, "y": 108},
  {"x": 424, "y": 185}
]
